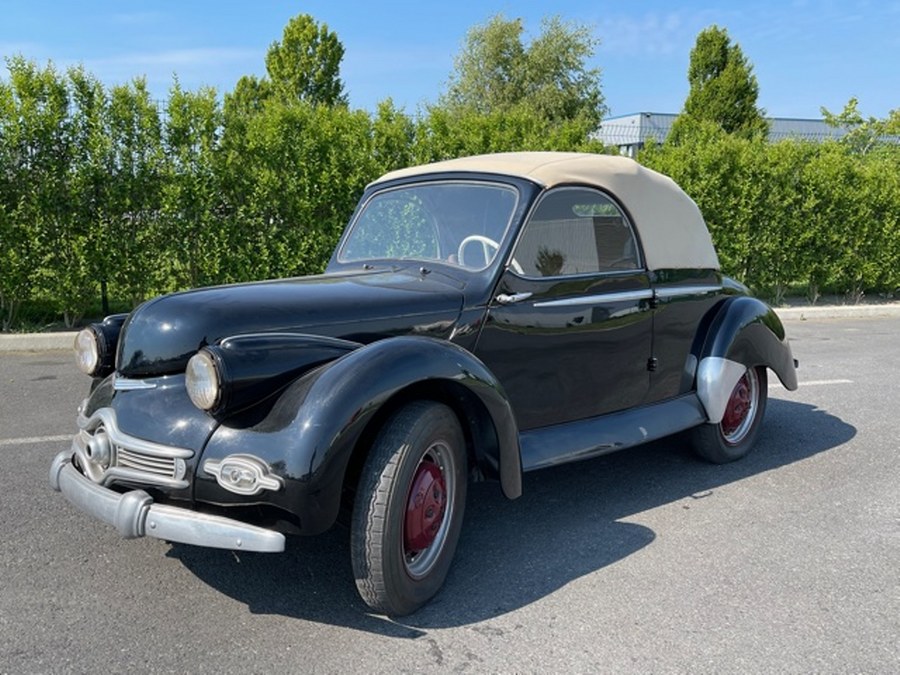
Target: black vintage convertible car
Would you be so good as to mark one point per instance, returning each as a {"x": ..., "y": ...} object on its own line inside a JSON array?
[{"x": 480, "y": 317}]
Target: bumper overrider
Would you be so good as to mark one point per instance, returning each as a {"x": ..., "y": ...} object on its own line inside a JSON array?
[{"x": 134, "y": 514}]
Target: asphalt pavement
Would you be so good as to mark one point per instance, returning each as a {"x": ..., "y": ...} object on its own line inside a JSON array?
[{"x": 643, "y": 561}]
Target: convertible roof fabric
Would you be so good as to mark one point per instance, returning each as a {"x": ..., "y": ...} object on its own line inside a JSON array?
[{"x": 671, "y": 228}]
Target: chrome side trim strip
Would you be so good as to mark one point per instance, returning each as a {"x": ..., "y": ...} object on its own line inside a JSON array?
[
  {"x": 622, "y": 296},
  {"x": 678, "y": 291},
  {"x": 507, "y": 299}
]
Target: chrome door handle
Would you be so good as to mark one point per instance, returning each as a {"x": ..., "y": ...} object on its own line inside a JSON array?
[{"x": 506, "y": 299}]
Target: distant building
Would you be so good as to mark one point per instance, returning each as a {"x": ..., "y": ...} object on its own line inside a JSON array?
[{"x": 630, "y": 132}]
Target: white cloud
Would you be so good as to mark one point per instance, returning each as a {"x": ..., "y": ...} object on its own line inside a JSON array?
[
  {"x": 653, "y": 34},
  {"x": 196, "y": 67},
  {"x": 179, "y": 58}
]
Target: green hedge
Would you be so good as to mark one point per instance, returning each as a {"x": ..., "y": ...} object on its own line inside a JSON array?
[
  {"x": 102, "y": 191},
  {"x": 794, "y": 214}
]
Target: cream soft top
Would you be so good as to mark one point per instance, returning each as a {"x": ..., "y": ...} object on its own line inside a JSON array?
[{"x": 669, "y": 223}]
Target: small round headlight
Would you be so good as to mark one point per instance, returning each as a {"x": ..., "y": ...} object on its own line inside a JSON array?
[
  {"x": 87, "y": 351},
  {"x": 202, "y": 381}
]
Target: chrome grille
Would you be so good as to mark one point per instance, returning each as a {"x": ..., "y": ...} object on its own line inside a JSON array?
[
  {"x": 158, "y": 466},
  {"x": 131, "y": 460}
]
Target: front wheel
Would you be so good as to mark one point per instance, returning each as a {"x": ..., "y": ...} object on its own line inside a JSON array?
[
  {"x": 734, "y": 436},
  {"x": 409, "y": 508}
]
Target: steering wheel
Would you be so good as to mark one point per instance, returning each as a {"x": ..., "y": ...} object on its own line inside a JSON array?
[{"x": 486, "y": 245}]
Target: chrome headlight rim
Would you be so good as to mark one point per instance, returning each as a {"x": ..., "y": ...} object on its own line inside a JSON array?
[
  {"x": 203, "y": 381},
  {"x": 88, "y": 351}
]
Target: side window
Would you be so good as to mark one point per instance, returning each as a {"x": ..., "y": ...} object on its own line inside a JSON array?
[{"x": 576, "y": 231}]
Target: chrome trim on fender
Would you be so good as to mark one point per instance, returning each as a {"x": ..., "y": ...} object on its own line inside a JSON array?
[
  {"x": 506, "y": 298},
  {"x": 243, "y": 474},
  {"x": 716, "y": 378},
  {"x": 622, "y": 296},
  {"x": 678, "y": 291},
  {"x": 127, "y": 384},
  {"x": 134, "y": 514}
]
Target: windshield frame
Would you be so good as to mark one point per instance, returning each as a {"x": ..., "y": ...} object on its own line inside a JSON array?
[{"x": 511, "y": 187}]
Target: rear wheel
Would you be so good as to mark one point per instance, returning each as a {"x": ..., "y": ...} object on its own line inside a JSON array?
[
  {"x": 409, "y": 508},
  {"x": 734, "y": 436}
]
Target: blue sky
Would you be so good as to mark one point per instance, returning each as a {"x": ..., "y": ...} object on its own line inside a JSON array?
[{"x": 806, "y": 54}]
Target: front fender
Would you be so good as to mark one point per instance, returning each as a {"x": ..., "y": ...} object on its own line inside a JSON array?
[
  {"x": 314, "y": 427},
  {"x": 257, "y": 366},
  {"x": 744, "y": 333}
]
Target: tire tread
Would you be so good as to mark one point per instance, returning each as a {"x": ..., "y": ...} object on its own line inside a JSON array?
[{"x": 373, "y": 501}]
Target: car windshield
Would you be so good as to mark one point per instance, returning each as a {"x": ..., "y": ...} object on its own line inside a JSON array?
[{"x": 461, "y": 223}]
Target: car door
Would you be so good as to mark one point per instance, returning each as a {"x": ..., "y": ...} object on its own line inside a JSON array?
[{"x": 568, "y": 331}]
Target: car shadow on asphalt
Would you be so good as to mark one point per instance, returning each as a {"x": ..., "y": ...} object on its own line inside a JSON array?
[{"x": 567, "y": 524}]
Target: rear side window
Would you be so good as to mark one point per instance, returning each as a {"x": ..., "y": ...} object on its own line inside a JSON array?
[{"x": 576, "y": 231}]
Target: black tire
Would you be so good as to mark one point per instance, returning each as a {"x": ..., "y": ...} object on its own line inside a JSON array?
[
  {"x": 734, "y": 436},
  {"x": 422, "y": 447}
]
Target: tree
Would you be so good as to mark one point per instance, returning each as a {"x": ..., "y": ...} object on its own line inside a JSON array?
[
  {"x": 306, "y": 64},
  {"x": 190, "y": 191},
  {"x": 248, "y": 98},
  {"x": 723, "y": 89},
  {"x": 81, "y": 258},
  {"x": 135, "y": 187},
  {"x": 496, "y": 72},
  {"x": 445, "y": 133},
  {"x": 34, "y": 204},
  {"x": 863, "y": 134}
]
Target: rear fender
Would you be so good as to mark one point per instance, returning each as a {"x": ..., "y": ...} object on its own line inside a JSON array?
[{"x": 744, "y": 333}]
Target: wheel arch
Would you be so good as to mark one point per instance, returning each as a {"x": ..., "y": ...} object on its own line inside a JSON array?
[
  {"x": 483, "y": 445},
  {"x": 353, "y": 396},
  {"x": 421, "y": 369},
  {"x": 741, "y": 332}
]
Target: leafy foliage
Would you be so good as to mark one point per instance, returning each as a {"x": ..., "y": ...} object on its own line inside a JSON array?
[
  {"x": 864, "y": 134},
  {"x": 723, "y": 89},
  {"x": 35, "y": 138},
  {"x": 102, "y": 192},
  {"x": 305, "y": 65},
  {"x": 794, "y": 212},
  {"x": 133, "y": 251},
  {"x": 497, "y": 73}
]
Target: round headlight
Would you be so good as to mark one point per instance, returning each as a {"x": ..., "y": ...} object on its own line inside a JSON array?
[
  {"x": 87, "y": 351},
  {"x": 202, "y": 381}
]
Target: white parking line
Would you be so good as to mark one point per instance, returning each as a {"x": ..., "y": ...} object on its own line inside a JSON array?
[
  {"x": 814, "y": 383},
  {"x": 35, "y": 439}
]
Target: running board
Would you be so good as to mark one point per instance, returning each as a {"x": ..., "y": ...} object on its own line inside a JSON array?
[{"x": 574, "y": 441}]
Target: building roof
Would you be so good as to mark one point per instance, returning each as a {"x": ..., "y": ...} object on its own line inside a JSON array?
[{"x": 634, "y": 130}]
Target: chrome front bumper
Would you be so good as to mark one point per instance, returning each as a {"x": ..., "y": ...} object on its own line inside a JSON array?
[{"x": 134, "y": 514}]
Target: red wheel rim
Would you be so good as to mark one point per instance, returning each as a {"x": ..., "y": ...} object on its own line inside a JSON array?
[
  {"x": 425, "y": 508},
  {"x": 738, "y": 406},
  {"x": 740, "y": 411}
]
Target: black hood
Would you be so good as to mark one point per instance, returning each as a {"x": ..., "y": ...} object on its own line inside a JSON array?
[{"x": 161, "y": 335}]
